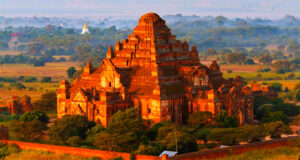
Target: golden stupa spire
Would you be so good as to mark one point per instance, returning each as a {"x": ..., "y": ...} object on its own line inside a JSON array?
[{"x": 85, "y": 29}]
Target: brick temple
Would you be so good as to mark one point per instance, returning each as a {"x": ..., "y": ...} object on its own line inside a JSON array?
[{"x": 156, "y": 73}]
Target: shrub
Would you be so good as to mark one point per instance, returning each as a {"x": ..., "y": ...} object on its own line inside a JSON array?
[
  {"x": 35, "y": 115},
  {"x": 249, "y": 61},
  {"x": 46, "y": 79},
  {"x": 277, "y": 86},
  {"x": 29, "y": 79},
  {"x": 74, "y": 141},
  {"x": 71, "y": 71},
  {"x": 17, "y": 85}
]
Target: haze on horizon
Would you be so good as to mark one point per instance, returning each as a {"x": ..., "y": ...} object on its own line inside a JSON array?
[{"x": 272, "y": 9}]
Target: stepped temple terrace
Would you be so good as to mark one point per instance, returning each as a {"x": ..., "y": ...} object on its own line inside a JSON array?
[{"x": 156, "y": 73}]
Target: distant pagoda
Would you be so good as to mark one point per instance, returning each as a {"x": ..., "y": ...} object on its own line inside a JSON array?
[{"x": 85, "y": 29}]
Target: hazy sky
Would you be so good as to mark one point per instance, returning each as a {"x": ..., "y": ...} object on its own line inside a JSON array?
[{"x": 273, "y": 9}]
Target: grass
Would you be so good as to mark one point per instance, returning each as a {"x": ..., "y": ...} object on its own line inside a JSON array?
[
  {"x": 281, "y": 153},
  {"x": 38, "y": 155},
  {"x": 3, "y": 53},
  {"x": 55, "y": 70},
  {"x": 290, "y": 84},
  {"x": 264, "y": 75},
  {"x": 34, "y": 90}
]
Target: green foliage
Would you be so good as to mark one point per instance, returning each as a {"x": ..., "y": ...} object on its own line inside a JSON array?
[
  {"x": 276, "y": 116},
  {"x": 202, "y": 134},
  {"x": 275, "y": 129},
  {"x": 47, "y": 102},
  {"x": 69, "y": 126},
  {"x": 8, "y": 149},
  {"x": 235, "y": 58},
  {"x": 35, "y": 115},
  {"x": 7, "y": 79},
  {"x": 200, "y": 119},
  {"x": 278, "y": 105},
  {"x": 153, "y": 149},
  {"x": 250, "y": 62},
  {"x": 29, "y": 79},
  {"x": 125, "y": 130},
  {"x": 28, "y": 131},
  {"x": 226, "y": 121},
  {"x": 265, "y": 59},
  {"x": 185, "y": 142},
  {"x": 74, "y": 141},
  {"x": 263, "y": 111},
  {"x": 153, "y": 131},
  {"x": 252, "y": 133},
  {"x": 277, "y": 86},
  {"x": 165, "y": 130},
  {"x": 17, "y": 85},
  {"x": 226, "y": 136},
  {"x": 71, "y": 72},
  {"x": 107, "y": 141},
  {"x": 91, "y": 132},
  {"x": 46, "y": 79}
]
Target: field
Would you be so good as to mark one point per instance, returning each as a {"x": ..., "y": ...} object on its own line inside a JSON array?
[
  {"x": 34, "y": 90},
  {"x": 36, "y": 155},
  {"x": 3, "y": 53},
  {"x": 264, "y": 75},
  {"x": 56, "y": 70},
  {"x": 282, "y": 153}
]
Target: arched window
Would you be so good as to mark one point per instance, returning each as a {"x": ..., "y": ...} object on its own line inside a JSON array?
[{"x": 109, "y": 84}]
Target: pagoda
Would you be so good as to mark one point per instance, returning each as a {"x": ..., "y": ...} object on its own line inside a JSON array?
[
  {"x": 85, "y": 29},
  {"x": 158, "y": 74}
]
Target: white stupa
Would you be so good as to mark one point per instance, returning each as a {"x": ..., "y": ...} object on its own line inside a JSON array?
[{"x": 85, "y": 29}]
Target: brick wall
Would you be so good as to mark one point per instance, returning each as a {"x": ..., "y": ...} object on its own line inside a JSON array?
[
  {"x": 234, "y": 150},
  {"x": 211, "y": 154},
  {"x": 82, "y": 152}
]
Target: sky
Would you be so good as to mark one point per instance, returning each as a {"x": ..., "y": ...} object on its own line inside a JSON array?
[{"x": 272, "y": 9}]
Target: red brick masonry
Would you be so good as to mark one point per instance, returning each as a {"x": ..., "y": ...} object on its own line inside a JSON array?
[
  {"x": 211, "y": 154},
  {"x": 234, "y": 150}
]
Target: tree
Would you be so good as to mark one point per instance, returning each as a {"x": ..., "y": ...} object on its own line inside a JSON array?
[
  {"x": 276, "y": 116},
  {"x": 220, "y": 20},
  {"x": 226, "y": 136},
  {"x": 203, "y": 134},
  {"x": 71, "y": 72},
  {"x": 252, "y": 133},
  {"x": 200, "y": 119},
  {"x": 35, "y": 115},
  {"x": 263, "y": 110},
  {"x": 185, "y": 142},
  {"x": 275, "y": 129},
  {"x": 154, "y": 150},
  {"x": 106, "y": 141},
  {"x": 46, "y": 79},
  {"x": 235, "y": 58},
  {"x": 265, "y": 59},
  {"x": 250, "y": 62},
  {"x": 163, "y": 131},
  {"x": 69, "y": 126},
  {"x": 28, "y": 131},
  {"x": 276, "y": 86},
  {"x": 47, "y": 102},
  {"x": 226, "y": 121},
  {"x": 125, "y": 130}
]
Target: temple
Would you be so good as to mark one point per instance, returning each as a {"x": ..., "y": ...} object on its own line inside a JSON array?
[{"x": 156, "y": 73}]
